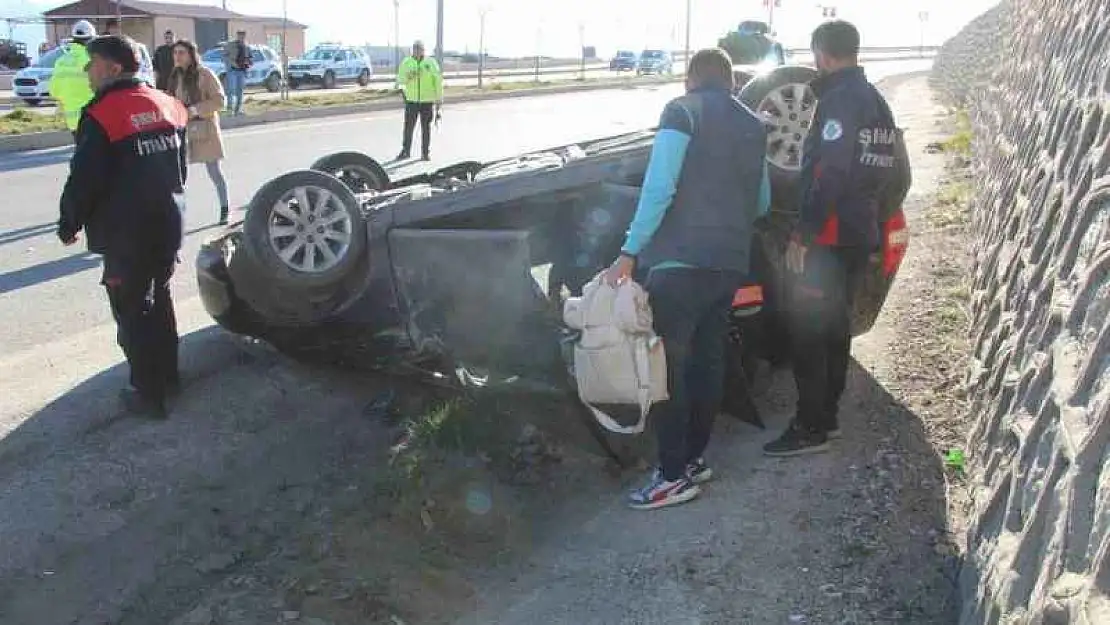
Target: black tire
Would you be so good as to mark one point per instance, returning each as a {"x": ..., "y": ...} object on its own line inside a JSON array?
[
  {"x": 273, "y": 82},
  {"x": 357, "y": 171},
  {"x": 261, "y": 216},
  {"x": 32, "y": 101},
  {"x": 364, "y": 78},
  {"x": 294, "y": 84},
  {"x": 783, "y": 173},
  {"x": 329, "y": 80}
]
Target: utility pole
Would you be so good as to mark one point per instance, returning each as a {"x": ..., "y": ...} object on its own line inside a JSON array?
[
  {"x": 482, "y": 12},
  {"x": 539, "y": 36},
  {"x": 284, "y": 49},
  {"x": 689, "y": 13},
  {"x": 922, "y": 17},
  {"x": 439, "y": 32},
  {"x": 771, "y": 4},
  {"x": 582, "y": 49}
]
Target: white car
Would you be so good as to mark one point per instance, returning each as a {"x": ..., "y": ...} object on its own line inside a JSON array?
[
  {"x": 265, "y": 67},
  {"x": 328, "y": 64},
  {"x": 32, "y": 84}
]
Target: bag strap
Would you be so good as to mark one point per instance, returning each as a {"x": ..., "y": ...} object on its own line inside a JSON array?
[{"x": 642, "y": 360}]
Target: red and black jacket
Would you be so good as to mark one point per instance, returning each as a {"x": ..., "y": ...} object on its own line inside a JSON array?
[
  {"x": 848, "y": 158},
  {"x": 126, "y": 185}
]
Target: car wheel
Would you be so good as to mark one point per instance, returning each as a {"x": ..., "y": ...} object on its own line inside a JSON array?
[
  {"x": 784, "y": 99},
  {"x": 364, "y": 78},
  {"x": 294, "y": 84},
  {"x": 305, "y": 229},
  {"x": 329, "y": 80},
  {"x": 32, "y": 101},
  {"x": 273, "y": 82},
  {"x": 358, "y": 172}
]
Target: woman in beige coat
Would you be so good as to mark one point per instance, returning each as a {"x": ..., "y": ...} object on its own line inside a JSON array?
[{"x": 201, "y": 92}]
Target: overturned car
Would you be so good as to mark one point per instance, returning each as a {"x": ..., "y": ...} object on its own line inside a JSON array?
[{"x": 462, "y": 269}]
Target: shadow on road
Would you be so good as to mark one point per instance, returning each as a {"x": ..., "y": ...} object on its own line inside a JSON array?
[
  {"x": 133, "y": 520},
  {"x": 45, "y": 272},
  {"x": 870, "y": 514},
  {"x": 20, "y": 234},
  {"x": 55, "y": 269},
  {"x": 18, "y": 161}
]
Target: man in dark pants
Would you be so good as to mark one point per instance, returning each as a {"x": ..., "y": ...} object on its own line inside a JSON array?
[
  {"x": 848, "y": 158},
  {"x": 126, "y": 189},
  {"x": 163, "y": 60},
  {"x": 705, "y": 186},
  {"x": 421, "y": 82}
]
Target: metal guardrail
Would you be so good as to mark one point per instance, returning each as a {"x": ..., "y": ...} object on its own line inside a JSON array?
[{"x": 866, "y": 54}]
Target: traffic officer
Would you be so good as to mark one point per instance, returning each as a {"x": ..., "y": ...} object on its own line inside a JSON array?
[
  {"x": 70, "y": 82},
  {"x": 705, "y": 186},
  {"x": 848, "y": 158},
  {"x": 126, "y": 190},
  {"x": 421, "y": 82}
]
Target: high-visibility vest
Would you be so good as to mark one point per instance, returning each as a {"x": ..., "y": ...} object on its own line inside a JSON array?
[{"x": 69, "y": 84}]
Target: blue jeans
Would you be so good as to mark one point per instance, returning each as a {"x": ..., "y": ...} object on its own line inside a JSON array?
[
  {"x": 236, "y": 82},
  {"x": 691, "y": 308}
]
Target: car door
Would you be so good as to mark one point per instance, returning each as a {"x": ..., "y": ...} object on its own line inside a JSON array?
[
  {"x": 348, "y": 64},
  {"x": 259, "y": 67}
]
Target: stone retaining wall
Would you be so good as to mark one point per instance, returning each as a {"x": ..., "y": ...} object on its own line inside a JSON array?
[{"x": 1039, "y": 543}]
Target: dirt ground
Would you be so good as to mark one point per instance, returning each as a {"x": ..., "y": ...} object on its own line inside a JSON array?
[{"x": 285, "y": 494}]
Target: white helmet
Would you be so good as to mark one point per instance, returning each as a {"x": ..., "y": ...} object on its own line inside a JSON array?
[{"x": 83, "y": 30}]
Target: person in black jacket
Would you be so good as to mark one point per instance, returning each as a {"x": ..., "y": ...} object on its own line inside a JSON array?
[
  {"x": 126, "y": 190},
  {"x": 847, "y": 159},
  {"x": 163, "y": 61}
]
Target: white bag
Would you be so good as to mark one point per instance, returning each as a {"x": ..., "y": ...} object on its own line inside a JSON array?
[{"x": 618, "y": 359}]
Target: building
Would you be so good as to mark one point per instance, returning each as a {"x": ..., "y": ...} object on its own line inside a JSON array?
[{"x": 147, "y": 21}]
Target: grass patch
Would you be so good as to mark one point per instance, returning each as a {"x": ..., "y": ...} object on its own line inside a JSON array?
[
  {"x": 21, "y": 121},
  {"x": 960, "y": 142},
  {"x": 952, "y": 204}
]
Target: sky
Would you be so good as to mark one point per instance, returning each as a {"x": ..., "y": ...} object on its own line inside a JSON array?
[{"x": 528, "y": 27}]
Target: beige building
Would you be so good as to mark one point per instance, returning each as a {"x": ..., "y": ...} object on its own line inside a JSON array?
[{"x": 146, "y": 21}]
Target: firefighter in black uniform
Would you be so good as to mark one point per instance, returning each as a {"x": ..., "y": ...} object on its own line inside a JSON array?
[
  {"x": 848, "y": 158},
  {"x": 126, "y": 190}
]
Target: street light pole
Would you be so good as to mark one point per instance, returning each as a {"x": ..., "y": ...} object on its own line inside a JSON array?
[
  {"x": 439, "y": 32},
  {"x": 396, "y": 36}
]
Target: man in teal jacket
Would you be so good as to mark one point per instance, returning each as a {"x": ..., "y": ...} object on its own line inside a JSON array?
[
  {"x": 69, "y": 84},
  {"x": 421, "y": 82}
]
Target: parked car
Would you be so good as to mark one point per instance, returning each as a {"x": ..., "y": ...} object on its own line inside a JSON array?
[
  {"x": 624, "y": 60},
  {"x": 459, "y": 273},
  {"x": 655, "y": 62},
  {"x": 32, "y": 84},
  {"x": 329, "y": 64},
  {"x": 265, "y": 70}
]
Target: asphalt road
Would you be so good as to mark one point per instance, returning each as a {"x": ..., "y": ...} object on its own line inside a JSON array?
[{"x": 50, "y": 297}]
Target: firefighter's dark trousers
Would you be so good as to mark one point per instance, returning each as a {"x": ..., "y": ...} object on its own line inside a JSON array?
[
  {"x": 821, "y": 330},
  {"x": 139, "y": 294}
]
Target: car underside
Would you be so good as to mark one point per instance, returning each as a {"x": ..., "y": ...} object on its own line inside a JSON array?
[{"x": 462, "y": 272}]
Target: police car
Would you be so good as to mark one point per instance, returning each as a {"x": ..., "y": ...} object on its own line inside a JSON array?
[
  {"x": 32, "y": 84},
  {"x": 265, "y": 69},
  {"x": 328, "y": 64}
]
